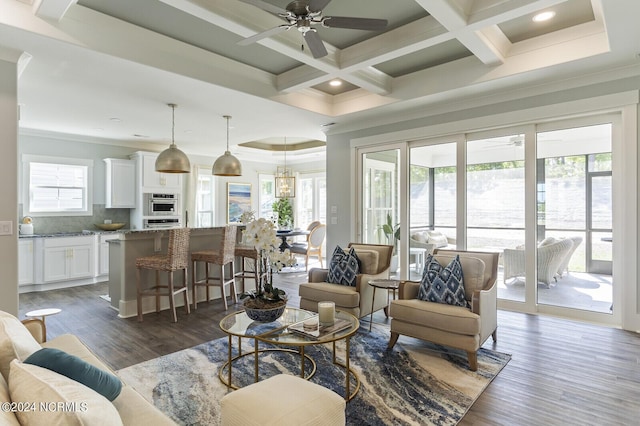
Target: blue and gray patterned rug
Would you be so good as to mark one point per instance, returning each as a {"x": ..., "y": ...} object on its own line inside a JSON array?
[{"x": 417, "y": 383}]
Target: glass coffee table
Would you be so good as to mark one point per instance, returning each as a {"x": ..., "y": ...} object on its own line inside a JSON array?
[{"x": 277, "y": 333}]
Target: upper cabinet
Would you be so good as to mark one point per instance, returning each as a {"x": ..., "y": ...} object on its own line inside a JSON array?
[
  {"x": 121, "y": 183},
  {"x": 154, "y": 181}
]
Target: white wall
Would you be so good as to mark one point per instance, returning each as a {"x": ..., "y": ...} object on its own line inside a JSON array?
[
  {"x": 8, "y": 177},
  {"x": 480, "y": 115}
]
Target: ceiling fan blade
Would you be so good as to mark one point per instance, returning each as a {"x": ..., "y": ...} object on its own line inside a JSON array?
[
  {"x": 354, "y": 23},
  {"x": 266, "y": 6},
  {"x": 257, "y": 37},
  {"x": 316, "y": 46},
  {"x": 316, "y": 5}
]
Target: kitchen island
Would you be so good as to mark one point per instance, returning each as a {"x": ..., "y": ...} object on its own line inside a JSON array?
[{"x": 133, "y": 244}]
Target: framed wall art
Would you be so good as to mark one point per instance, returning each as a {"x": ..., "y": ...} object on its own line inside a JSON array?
[{"x": 238, "y": 200}]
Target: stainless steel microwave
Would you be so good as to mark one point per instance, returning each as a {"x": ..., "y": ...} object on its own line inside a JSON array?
[{"x": 156, "y": 204}]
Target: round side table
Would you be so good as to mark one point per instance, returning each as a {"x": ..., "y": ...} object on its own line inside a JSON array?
[
  {"x": 392, "y": 285},
  {"x": 42, "y": 314}
]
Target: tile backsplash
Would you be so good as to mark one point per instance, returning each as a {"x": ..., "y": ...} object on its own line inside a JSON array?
[{"x": 55, "y": 224}]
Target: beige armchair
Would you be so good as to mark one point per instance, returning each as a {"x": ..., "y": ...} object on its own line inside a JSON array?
[
  {"x": 449, "y": 325},
  {"x": 375, "y": 260}
]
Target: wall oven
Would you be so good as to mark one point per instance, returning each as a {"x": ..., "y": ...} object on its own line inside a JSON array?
[
  {"x": 160, "y": 223},
  {"x": 156, "y": 204}
]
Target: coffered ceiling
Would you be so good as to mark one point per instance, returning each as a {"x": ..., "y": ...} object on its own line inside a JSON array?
[{"x": 105, "y": 70}]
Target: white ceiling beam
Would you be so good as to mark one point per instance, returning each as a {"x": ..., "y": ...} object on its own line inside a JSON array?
[
  {"x": 52, "y": 9},
  {"x": 453, "y": 18}
]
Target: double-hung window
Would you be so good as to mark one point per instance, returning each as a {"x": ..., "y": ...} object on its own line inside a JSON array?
[{"x": 56, "y": 186}]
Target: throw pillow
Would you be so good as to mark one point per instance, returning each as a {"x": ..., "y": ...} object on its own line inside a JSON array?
[
  {"x": 106, "y": 384},
  {"x": 443, "y": 284},
  {"x": 7, "y": 418},
  {"x": 15, "y": 342},
  {"x": 61, "y": 401},
  {"x": 344, "y": 267}
]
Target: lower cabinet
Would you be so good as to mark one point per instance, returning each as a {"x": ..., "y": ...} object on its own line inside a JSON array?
[
  {"x": 103, "y": 252},
  {"x": 68, "y": 258},
  {"x": 25, "y": 262}
]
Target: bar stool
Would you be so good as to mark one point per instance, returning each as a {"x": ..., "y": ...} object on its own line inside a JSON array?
[
  {"x": 247, "y": 253},
  {"x": 176, "y": 258},
  {"x": 223, "y": 256}
]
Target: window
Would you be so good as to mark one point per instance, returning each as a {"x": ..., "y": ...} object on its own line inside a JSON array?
[
  {"x": 57, "y": 186},
  {"x": 266, "y": 196},
  {"x": 205, "y": 197},
  {"x": 311, "y": 202}
]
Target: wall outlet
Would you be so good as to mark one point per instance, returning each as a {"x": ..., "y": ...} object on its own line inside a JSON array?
[{"x": 6, "y": 227}]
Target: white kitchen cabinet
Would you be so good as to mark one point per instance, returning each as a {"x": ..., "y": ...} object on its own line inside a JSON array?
[
  {"x": 120, "y": 183},
  {"x": 68, "y": 258},
  {"x": 154, "y": 181},
  {"x": 103, "y": 252},
  {"x": 25, "y": 261}
]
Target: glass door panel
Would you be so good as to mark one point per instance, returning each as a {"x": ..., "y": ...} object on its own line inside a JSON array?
[
  {"x": 432, "y": 200},
  {"x": 495, "y": 207},
  {"x": 380, "y": 199},
  {"x": 574, "y": 170}
]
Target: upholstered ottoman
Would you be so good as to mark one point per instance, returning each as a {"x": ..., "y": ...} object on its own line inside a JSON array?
[{"x": 283, "y": 400}]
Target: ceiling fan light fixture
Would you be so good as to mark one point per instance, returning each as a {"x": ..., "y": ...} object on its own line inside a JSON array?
[
  {"x": 227, "y": 164},
  {"x": 172, "y": 160}
]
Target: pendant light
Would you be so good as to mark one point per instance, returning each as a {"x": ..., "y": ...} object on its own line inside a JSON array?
[
  {"x": 172, "y": 160},
  {"x": 285, "y": 181},
  {"x": 227, "y": 164}
]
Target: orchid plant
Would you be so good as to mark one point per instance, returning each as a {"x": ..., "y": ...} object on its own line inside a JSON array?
[{"x": 261, "y": 233}]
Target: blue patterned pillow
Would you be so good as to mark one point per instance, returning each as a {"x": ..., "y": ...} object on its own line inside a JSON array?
[
  {"x": 344, "y": 267},
  {"x": 443, "y": 284}
]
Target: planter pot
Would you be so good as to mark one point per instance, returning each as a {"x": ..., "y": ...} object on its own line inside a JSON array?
[
  {"x": 394, "y": 264},
  {"x": 265, "y": 314}
]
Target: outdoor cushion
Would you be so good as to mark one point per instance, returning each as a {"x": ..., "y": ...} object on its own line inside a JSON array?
[
  {"x": 443, "y": 284},
  {"x": 344, "y": 267},
  {"x": 437, "y": 238}
]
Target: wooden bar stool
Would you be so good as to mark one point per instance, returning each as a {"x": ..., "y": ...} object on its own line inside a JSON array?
[
  {"x": 221, "y": 257},
  {"x": 176, "y": 258},
  {"x": 247, "y": 253}
]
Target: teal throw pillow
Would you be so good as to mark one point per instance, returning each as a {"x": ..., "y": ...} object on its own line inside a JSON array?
[
  {"x": 103, "y": 382},
  {"x": 443, "y": 284},
  {"x": 343, "y": 267}
]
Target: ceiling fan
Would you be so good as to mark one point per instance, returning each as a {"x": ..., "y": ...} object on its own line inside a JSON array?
[{"x": 303, "y": 15}]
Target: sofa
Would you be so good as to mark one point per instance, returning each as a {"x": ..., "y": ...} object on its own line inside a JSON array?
[
  {"x": 31, "y": 394},
  {"x": 430, "y": 240}
]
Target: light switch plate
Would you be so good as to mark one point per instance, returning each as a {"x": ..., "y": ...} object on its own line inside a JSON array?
[{"x": 6, "y": 227}]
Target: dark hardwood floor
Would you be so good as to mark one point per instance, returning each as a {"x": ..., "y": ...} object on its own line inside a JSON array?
[{"x": 561, "y": 372}]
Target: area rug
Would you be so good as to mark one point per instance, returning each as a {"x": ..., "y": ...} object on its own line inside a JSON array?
[{"x": 416, "y": 383}]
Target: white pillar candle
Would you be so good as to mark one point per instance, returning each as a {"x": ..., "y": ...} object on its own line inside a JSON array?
[{"x": 326, "y": 313}]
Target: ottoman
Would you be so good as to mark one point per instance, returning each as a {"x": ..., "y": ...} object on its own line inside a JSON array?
[{"x": 283, "y": 400}]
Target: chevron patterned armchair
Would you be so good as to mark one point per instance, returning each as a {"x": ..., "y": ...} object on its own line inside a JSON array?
[{"x": 375, "y": 261}]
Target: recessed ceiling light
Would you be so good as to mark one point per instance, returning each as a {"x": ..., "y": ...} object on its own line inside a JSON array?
[
  {"x": 544, "y": 16},
  {"x": 115, "y": 119},
  {"x": 335, "y": 83},
  {"x": 136, "y": 135}
]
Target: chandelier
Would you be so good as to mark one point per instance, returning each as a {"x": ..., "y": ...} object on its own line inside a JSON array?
[{"x": 285, "y": 181}]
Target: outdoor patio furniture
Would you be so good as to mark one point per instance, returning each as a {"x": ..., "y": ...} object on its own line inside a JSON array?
[
  {"x": 551, "y": 254},
  {"x": 564, "y": 266}
]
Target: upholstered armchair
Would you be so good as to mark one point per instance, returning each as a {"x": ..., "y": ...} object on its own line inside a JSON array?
[
  {"x": 375, "y": 261},
  {"x": 455, "y": 326},
  {"x": 550, "y": 255}
]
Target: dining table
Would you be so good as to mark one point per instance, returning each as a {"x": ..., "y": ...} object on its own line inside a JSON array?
[{"x": 286, "y": 233}]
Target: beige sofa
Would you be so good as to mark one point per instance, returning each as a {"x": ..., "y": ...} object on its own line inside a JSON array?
[{"x": 32, "y": 389}]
